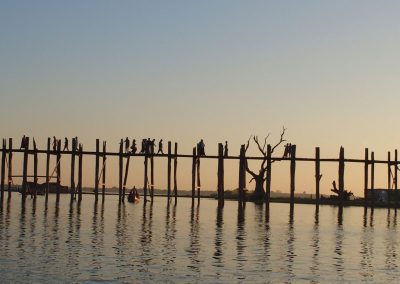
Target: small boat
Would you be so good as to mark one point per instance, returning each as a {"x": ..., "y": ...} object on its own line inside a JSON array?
[{"x": 133, "y": 198}]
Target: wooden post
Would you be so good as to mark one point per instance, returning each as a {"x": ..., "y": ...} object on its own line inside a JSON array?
[
  {"x": 198, "y": 178},
  {"x": 175, "y": 172},
  {"x": 80, "y": 164},
  {"x": 126, "y": 176},
  {"x": 269, "y": 176},
  {"x": 10, "y": 156},
  {"x": 373, "y": 178},
  {"x": 152, "y": 176},
  {"x": 96, "y": 182},
  {"x": 389, "y": 176},
  {"x": 193, "y": 173},
  {"x": 169, "y": 170},
  {"x": 3, "y": 167},
  {"x": 145, "y": 177},
  {"x": 73, "y": 153},
  {"x": 58, "y": 168},
  {"x": 220, "y": 175},
  {"x": 317, "y": 174},
  {"x": 341, "y": 174},
  {"x": 121, "y": 164},
  {"x": 366, "y": 162},
  {"x": 292, "y": 174},
  {"x": 35, "y": 168},
  {"x": 395, "y": 178},
  {"x": 48, "y": 167},
  {"x": 103, "y": 185},
  {"x": 242, "y": 173},
  {"x": 25, "y": 168}
]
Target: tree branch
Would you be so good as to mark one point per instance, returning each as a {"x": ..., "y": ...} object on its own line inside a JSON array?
[{"x": 281, "y": 140}]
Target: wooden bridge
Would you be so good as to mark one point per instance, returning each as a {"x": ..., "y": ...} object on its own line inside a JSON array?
[{"x": 77, "y": 153}]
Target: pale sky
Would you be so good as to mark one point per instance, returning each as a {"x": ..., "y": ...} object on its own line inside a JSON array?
[{"x": 218, "y": 70}]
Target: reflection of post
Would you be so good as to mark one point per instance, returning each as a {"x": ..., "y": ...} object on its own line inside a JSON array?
[
  {"x": 25, "y": 169},
  {"x": 268, "y": 177},
  {"x": 10, "y": 156},
  {"x": 366, "y": 162},
  {"x": 193, "y": 173},
  {"x": 175, "y": 173},
  {"x": 373, "y": 178},
  {"x": 317, "y": 174},
  {"x": 292, "y": 174},
  {"x": 169, "y": 170}
]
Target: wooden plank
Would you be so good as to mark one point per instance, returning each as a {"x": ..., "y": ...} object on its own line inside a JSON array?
[
  {"x": 169, "y": 170},
  {"x": 193, "y": 173},
  {"x": 292, "y": 174},
  {"x": 366, "y": 163},
  {"x": 3, "y": 167},
  {"x": 96, "y": 181},
  {"x": 48, "y": 167},
  {"x": 341, "y": 174},
  {"x": 25, "y": 168},
  {"x": 80, "y": 168},
  {"x": 269, "y": 176},
  {"x": 103, "y": 185},
  {"x": 317, "y": 174},
  {"x": 175, "y": 172}
]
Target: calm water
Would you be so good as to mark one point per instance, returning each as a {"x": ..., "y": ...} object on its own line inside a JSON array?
[{"x": 91, "y": 242}]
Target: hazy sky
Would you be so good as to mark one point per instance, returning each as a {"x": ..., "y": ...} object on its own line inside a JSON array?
[{"x": 217, "y": 70}]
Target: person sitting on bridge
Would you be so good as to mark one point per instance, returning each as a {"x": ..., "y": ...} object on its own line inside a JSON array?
[{"x": 133, "y": 147}]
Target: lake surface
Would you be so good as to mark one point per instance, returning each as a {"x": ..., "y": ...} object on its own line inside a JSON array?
[{"x": 123, "y": 243}]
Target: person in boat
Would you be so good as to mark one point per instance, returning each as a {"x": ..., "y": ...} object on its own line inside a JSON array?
[{"x": 133, "y": 195}]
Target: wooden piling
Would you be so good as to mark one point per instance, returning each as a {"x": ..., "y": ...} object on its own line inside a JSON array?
[
  {"x": 152, "y": 177},
  {"x": 121, "y": 162},
  {"x": 220, "y": 184},
  {"x": 73, "y": 153},
  {"x": 193, "y": 173},
  {"x": 3, "y": 167},
  {"x": 269, "y": 176},
  {"x": 96, "y": 182},
  {"x": 126, "y": 176},
  {"x": 389, "y": 178},
  {"x": 146, "y": 178},
  {"x": 366, "y": 163},
  {"x": 341, "y": 174},
  {"x": 169, "y": 170},
  {"x": 58, "y": 168},
  {"x": 372, "y": 179},
  {"x": 175, "y": 172},
  {"x": 35, "y": 168},
  {"x": 292, "y": 174},
  {"x": 10, "y": 158},
  {"x": 198, "y": 177},
  {"x": 242, "y": 173},
  {"x": 103, "y": 184},
  {"x": 395, "y": 178},
  {"x": 80, "y": 164},
  {"x": 48, "y": 168},
  {"x": 317, "y": 174},
  {"x": 25, "y": 167}
]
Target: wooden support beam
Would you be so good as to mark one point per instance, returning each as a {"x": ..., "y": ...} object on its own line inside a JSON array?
[
  {"x": 72, "y": 185},
  {"x": 395, "y": 178},
  {"x": 292, "y": 174},
  {"x": 121, "y": 164},
  {"x": 198, "y": 177},
  {"x": 96, "y": 181},
  {"x": 269, "y": 176},
  {"x": 220, "y": 185},
  {"x": 317, "y": 174},
  {"x": 242, "y": 173},
  {"x": 169, "y": 170},
  {"x": 58, "y": 168},
  {"x": 366, "y": 178},
  {"x": 193, "y": 173},
  {"x": 152, "y": 177},
  {"x": 25, "y": 168},
  {"x": 372, "y": 178},
  {"x": 48, "y": 167},
  {"x": 146, "y": 178},
  {"x": 389, "y": 179},
  {"x": 80, "y": 168},
  {"x": 3, "y": 167},
  {"x": 10, "y": 159},
  {"x": 341, "y": 174},
  {"x": 126, "y": 176},
  {"x": 175, "y": 172},
  {"x": 35, "y": 168},
  {"x": 103, "y": 184}
]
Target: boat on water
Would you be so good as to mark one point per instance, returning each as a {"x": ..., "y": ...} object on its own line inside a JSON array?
[{"x": 133, "y": 196}]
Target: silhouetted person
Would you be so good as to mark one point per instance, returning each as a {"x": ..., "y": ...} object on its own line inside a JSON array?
[
  {"x": 55, "y": 143},
  {"x": 23, "y": 143},
  {"x": 127, "y": 143},
  {"x": 160, "y": 147},
  {"x": 152, "y": 146},
  {"x": 66, "y": 144},
  {"x": 143, "y": 146},
  {"x": 133, "y": 147},
  {"x": 226, "y": 149},
  {"x": 147, "y": 146},
  {"x": 201, "y": 148}
]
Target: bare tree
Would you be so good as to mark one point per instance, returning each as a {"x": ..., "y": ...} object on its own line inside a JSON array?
[{"x": 260, "y": 178}]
